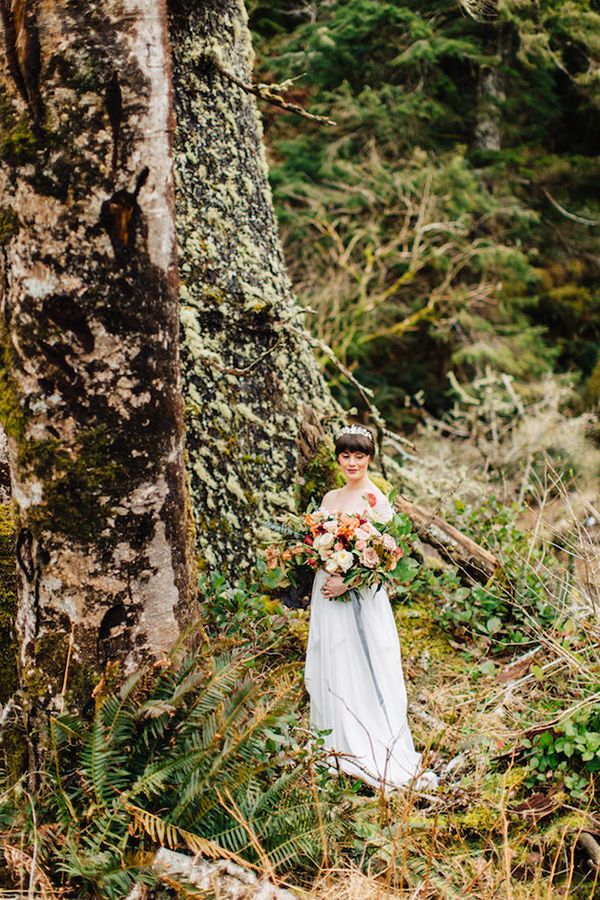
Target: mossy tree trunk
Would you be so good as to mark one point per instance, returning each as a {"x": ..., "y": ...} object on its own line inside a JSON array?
[
  {"x": 491, "y": 83},
  {"x": 251, "y": 383},
  {"x": 90, "y": 386}
]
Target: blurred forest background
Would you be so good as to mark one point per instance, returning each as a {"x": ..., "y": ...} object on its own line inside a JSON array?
[{"x": 449, "y": 220}]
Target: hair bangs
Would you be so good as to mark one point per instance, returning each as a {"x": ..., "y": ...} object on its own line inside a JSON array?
[{"x": 354, "y": 443}]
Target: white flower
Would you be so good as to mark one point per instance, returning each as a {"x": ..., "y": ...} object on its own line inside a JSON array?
[
  {"x": 331, "y": 525},
  {"x": 362, "y": 533},
  {"x": 343, "y": 559},
  {"x": 323, "y": 541},
  {"x": 330, "y": 566}
]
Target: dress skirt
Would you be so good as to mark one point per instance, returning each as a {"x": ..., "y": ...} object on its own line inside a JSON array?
[{"x": 354, "y": 677}]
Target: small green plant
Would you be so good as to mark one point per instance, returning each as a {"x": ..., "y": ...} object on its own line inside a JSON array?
[
  {"x": 507, "y": 610},
  {"x": 570, "y": 751}
]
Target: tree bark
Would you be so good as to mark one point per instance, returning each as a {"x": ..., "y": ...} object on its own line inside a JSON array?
[
  {"x": 250, "y": 379},
  {"x": 491, "y": 90},
  {"x": 89, "y": 369}
]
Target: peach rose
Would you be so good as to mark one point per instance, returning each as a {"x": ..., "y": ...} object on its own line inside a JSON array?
[{"x": 369, "y": 558}]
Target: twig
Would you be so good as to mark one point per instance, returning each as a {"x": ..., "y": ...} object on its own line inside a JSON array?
[
  {"x": 67, "y": 664},
  {"x": 581, "y": 220},
  {"x": 267, "y": 92},
  {"x": 229, "y": 370},
  {"x": 32, "y": 871}
]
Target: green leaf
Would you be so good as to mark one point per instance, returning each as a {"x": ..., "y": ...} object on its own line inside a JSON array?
[{"x": 494, "y": 624}]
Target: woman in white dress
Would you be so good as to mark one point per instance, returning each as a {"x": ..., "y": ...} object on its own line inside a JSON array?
[{"x": 353, "y": 670}]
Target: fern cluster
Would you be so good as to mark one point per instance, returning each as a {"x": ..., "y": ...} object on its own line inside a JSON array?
[{"x": 198, "y": 756}]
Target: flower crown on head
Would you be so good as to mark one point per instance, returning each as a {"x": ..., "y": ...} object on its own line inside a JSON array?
[{"x": 355, "y": 429}]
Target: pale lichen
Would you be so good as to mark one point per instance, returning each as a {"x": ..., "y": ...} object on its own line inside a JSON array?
[{"x": 248, "y": 379}]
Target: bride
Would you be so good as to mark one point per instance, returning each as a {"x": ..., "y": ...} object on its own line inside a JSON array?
[{"x": 353, "y": 670}]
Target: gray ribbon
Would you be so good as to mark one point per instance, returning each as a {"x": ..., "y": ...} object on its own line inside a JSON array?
[{"x": 355, "y": 599}]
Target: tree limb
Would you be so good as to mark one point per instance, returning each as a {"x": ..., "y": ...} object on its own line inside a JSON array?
[
  {"x": 223, "y": 877},
  {"x": 268, "y": 92}
]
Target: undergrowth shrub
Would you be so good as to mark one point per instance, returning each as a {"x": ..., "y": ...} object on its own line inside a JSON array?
[
  {"x": 521, "y": 598},
  {"x": 568, "y": 752},
  {"x": 200, "y": 755},
  {"x": 243, "y": 614}
]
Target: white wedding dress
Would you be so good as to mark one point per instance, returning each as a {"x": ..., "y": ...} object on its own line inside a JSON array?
[{"x": 353, "y": 674}]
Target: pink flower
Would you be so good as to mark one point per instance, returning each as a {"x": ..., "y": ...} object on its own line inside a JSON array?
[
  {"x": 361, "y": 545},
  {"x": 323, "y": 541},
  {"x": 388, "y": 542},
  {"x": 369, "y": 558}
]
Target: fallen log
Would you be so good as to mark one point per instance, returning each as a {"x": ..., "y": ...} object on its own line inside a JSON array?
[
  {"x": 224, "y": 878},
  {"x": 591, "y": 847},
  {"x": 471, "y": 559}
]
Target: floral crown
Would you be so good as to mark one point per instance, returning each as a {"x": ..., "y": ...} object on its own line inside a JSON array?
[{"x": 355, "y": 429}]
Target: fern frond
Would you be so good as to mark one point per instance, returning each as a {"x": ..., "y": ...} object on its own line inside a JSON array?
[
  {"x": 168, "y": 835},
  {"x": 225, "y": 766},
  {"x": 225, "y": 677}
]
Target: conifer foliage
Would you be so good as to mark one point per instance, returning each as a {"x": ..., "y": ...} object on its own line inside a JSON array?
[{"x": 448, "y": 220}]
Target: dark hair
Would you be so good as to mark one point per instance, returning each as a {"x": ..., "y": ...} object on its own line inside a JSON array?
[{"x": 355, "y": 443}]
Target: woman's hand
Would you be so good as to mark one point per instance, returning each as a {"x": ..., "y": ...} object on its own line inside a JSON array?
[{"x": 334, "y": 586}]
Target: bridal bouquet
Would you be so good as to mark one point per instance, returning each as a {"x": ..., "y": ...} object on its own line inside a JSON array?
[{"x": 354, "y": 545}]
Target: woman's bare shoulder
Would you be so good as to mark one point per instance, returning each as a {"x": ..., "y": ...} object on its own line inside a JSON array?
[{"x": 330, "y": 498}]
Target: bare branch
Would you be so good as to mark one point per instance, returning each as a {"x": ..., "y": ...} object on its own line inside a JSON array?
[
  {"x": 581, "y": 220},
  {"x": 269, "y": 93}
]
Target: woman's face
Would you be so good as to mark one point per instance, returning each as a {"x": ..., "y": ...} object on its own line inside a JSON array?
[{"x": 354, "y": 464}]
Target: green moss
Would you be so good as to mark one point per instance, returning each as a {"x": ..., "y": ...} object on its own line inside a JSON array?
[
  {"x": 8, "y": 603},
  {"x": 18, "y": 144},
  {"x": 74, "y": 481},
  {"x": 592, "y": 388},
  {"x": 9, "y": 225},
  {"x": 419, "y": 631},
  {"x": 51, "y": 654},
  {"x": 12, "y": 413},
  {"x": 379, "y": 481},
  {"x": 481, "y": 819},
  {"x": 321, "y": 474}
]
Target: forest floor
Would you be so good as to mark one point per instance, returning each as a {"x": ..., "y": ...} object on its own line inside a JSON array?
[
  {"x": 512, "y": 727},
  {"x": 212, "y": 754}
]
